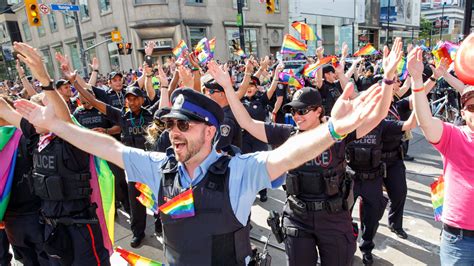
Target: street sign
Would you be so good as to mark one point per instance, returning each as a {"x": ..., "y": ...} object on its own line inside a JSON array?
[
  {"x": 44, "y": 9},
  {"x": 64, "y": 7},
  {"x": 116, "y": 37}
]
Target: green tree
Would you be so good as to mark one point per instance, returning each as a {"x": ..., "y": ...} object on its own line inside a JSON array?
[{"x": 425, "y": 27}]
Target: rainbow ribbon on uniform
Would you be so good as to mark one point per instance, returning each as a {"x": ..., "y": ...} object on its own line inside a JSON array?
[
  {"x": 437, "y": 197},
  {"x": 180, "y": 49},
  {"x": 292, "y": 46},
  {"x": 181, "y": 206},
  {"x": 366, "y": 50},
  {"x": 136, "y": 260},
  {"x": 147, "y": 198},
  {"x": 9, "y": 140},
  {"x": 310, "y": 70}
]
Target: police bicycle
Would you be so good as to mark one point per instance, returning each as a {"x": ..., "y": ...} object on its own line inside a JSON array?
[{"x": 445, "y": 105}]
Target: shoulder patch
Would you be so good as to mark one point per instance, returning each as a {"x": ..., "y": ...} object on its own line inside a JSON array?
[{"x": 225, "y": 130}]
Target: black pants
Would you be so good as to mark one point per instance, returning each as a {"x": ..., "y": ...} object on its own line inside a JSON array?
[
  {"x": 331, "y": 234},
  {"x": 121, "y": 190},
  {"x": 5, "y": 256},
  {"x": 87, "y": 244},
  {"x": 372, "y": 206},
  {"x": 396, "y": 186},
  {"x": 138, "y": 213},
  {"x": 25, "y": 234}
]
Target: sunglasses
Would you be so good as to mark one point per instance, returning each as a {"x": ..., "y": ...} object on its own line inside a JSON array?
[
  {"x": 183, "y": 125},
  {"x": 212, "y": 91},
  {"x": 301, "y": 111},
  {"x": 470, "y": 108}
]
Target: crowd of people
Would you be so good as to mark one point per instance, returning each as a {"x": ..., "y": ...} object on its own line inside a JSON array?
[{"x": 208, "y": 138}]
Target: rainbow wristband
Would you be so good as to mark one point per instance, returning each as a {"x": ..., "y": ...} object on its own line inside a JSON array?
[{"x": 336, "y": 137}]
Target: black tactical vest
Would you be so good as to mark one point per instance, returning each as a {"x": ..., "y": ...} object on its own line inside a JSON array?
[
  {"x": 214, "y": 236},
  {"x": 90, "y": 118},
  {"x": 134, "y": 129},
  {"x": 391, "y": 148},
  {"x": 365, "y": 154},
  {"x": 53, "y": 177}
]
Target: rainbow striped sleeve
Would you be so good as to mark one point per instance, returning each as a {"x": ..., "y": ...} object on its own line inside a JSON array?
[{"x": 181, "y": 206}]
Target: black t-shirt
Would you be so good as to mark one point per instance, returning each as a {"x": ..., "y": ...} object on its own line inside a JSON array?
[
  {"x": 230, "y": 131},
  {"x": 329, "y": 94},
  {"x": 392, "y": 142},
  {"x": 363, "y": 83},
  {"x": 257, "y": 106}
]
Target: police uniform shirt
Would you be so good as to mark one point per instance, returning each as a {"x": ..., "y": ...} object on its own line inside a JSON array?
[
  {"x": 230, "y": 131},
  {"x": 257, "y": 106},
  {"x": 91, "y": 118},
  {"x": 133, "y": 126},
  {"x": 162, "y": 143},
  {"x": 111, "y": 97},
  {"x": 392, "y": 142},
  {"x": 145, "y": 167},
  {"x": 329, "y": 93},
  {"x": 363, "y": 83}
]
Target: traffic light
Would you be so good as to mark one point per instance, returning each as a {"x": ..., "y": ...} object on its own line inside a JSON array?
[
  {"x": 33, "y": 13},
  {"x": 120, "y": 48},
  {"x": 270, "y": 6},
  {"x": 128, "y": 48},
  {"x": 124, "y": 48}
]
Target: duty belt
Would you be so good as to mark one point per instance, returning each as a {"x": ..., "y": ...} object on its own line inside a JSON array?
[
  {"x": 381, "y": 172},
  {"x": 397, "y": 154}
]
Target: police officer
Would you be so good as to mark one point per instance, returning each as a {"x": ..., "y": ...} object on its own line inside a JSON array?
[
  {"x": 364, "y": 158},
  {"x": 21, "y": 219},
  {"x": 64, "y": 89},
  {"x": 61, "y": 179}
]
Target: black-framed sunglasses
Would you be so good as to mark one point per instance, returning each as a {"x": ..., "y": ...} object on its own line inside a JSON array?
[
  {"x": 183, "y": 125},
  {"x": 470, "y": 108},
  {"x": 303, "y": 111},
  {"x": 212, "y": 91}
]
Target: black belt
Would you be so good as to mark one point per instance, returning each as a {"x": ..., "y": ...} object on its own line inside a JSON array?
[
  {"x": 458, "y": 231},
  {"x": 391, "y": 154},
  {"x": 371, "y": 175},
  {"x": 315, "y": 205}
]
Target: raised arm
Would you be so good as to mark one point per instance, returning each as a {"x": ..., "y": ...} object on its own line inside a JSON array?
[
  {"x": 164, "y": 97},
  {"x": 404, "y": 88},
  {"x": 254, "y": 127},
  {"x": 275, "y": 81},
  {"x": 319, "y": 72},
  {"x": 458, "y": 85},
  {"x": 247, "y": 75},
  {"x": 24, "y": 81},
  {"x": 432, "y": 127},
  {"x": 150, "y": 91},
  {"x": 95, "y": 71},
  {"x": 9, "y": 114},
  {"x": 196, "y": 71}
]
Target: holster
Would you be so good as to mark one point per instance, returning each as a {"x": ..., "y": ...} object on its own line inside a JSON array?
[{"x": 58, "y": 245}]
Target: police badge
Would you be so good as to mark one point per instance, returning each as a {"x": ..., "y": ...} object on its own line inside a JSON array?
[{"x": 225, "y": 130}]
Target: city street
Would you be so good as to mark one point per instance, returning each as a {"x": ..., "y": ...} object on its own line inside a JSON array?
[{"x": 421, "y": 247}]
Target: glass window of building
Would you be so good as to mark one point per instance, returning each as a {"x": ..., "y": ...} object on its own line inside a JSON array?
[
  {"x": 74, "y": 54},
  {"x": 277, "y": 5},
  {"x": 68, "y": 21},
  {"x": 196, "y": 34},
  {"x": 41, "y": 31},
  {"x": 141, "y": 2},
  {"x": 91, "y": 53},
  {"x": 48, "y": 61},
  {"x": 193, "y": 2},
  {"x": 234, "y": 3},
  {"x": 114, "y": 57},
  {"x": 251, "y": 45},
  {"x": 53, "y": 23},
  {"x": 26, "y": 30},
  {"x": 104, "y": 6},
  {"x": 84, "y": 8}
]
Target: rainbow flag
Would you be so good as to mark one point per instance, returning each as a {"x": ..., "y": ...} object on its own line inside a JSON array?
[
  {"x": 181, "y": 206},
  {"x": 291, "y": 80},
  {"x": 9, "y": 140},
  {"x": 147, "y": 198},
  {"x": 446, "y": 50},
  {"x": 402, "y": 69},
  {"x": 180, "y": 49},
  {"x": 202, "y": 45},
  {"x": 366, "y": 50},
  {"x": 203, "y": 57},
  {"x": 292, "y": 46},
  {"x": 310, "y": 70},
  {"x": 437, "y": 197},
  {"x": 240, "y": 53},
  {"x": 135, "y": 259},
  {"x": 212, "y": 46},
  {"x": 305, "y": 31}
]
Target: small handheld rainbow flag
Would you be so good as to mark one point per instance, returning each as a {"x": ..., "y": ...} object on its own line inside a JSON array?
[
  {"x": 305, "y": 31},
  {"x": 240, "y": 53},
  {"x": 147, "y": 198},
  {"x": 292, "y": 46},
  {"x": 437, "y": 197},
  {"x": 446, "y": 50},
  {"x": 212, "y": 46},
  {"x": 202, "y": 45},
  {"x": 135, "y": 259},
  {"x": 180, "y": 49},
  {"x": 181, "y": 206},
  {"x": 203, "y": 57},
  {"x": 310, "y": 70},
  {"x": 291, "y": 80},
  {"x": 366, "y": 50},
  {"x": 402, "y": 69}
]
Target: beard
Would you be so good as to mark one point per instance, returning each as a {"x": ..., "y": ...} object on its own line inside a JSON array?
[{"x": 192, "y": 147}]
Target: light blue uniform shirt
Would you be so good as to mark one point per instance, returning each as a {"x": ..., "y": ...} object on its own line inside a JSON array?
[{"x": 248, "y": 175}]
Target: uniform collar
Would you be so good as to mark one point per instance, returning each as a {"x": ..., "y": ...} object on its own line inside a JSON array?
[{"x": 199, "y": 172}]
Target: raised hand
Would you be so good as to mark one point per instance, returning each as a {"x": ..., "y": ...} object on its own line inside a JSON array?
[
  {"x": 95, "y": 64},
  {"x": 39, "y": 116},
  {"x": 186, "y": 77},
  {"x": 33, "y": 60},
  {"x": 19, "y": 69},
  {"x": 220, "y": 76},
  {"x": 279, "y": 69},
  {"x": 347, "y": 115},
  {"x": 162, "y": 77},
  {"x": 441, "y": 69},
  {"x": 150, "y": 45},
  {"x": 320, "y": 52},
  {"x": 249, "y": 65},
  {"x": 415, "y": 63},
  {"x": 192, "y": 58},
  {"x": 391, "y": 58},
  {"x": 345, "y": 50}
]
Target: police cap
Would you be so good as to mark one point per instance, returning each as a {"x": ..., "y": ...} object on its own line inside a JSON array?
[
  {"x": 113, "y": 74},
  {"x": 189, "y": 104},
  {"x": 213, "y": 85},
  {"x": 328, "y": 69},
  {"x": 61, "y": 82},
  {"x": 254, "y": 81},
  {"x": 136, "y": 91},
  {"x": 303, "y": 98},
  {"x": 161, "y": 112}
]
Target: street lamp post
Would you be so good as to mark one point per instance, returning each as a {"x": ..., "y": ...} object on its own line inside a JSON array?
[
  {"x": 442, "y": 22},
  {"x": 388, "y": 24}
]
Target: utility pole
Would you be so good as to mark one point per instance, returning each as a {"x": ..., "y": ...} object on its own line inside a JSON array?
[
  {"x": 467, "y": 18},
  {"x": 442, "y": 22},
  {"x": 353, "y": 28},
  {"x": 79, "y": 40},
  {"x": 240, "y": 6},
  {"x": 388, "y": 23}
]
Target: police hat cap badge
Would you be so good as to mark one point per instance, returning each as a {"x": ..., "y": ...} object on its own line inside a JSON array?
[{"x": 225, "y": 130}]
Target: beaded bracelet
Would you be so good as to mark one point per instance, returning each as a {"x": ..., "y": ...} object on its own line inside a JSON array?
[{"x": 336, "y": 137}]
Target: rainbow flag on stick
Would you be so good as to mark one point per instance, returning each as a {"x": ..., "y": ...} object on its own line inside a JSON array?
[
  {"x": 366, "y": 50},
  {"x": 402, "y": 69},
  {"x": 9, "y": 140},
  {"x": 180, "y": 49},
  {"x": 202, "y": 45},
  {"x": 310, "y": 70},
  {"x": 147, "y": 198},
  {"x": 292, "y": 46},
  {"x": 135, "y": 259},
  {"x": 305, "y": 31},
  {"x": 446, "y": 50},
  {"x": 181, "y": 206},
  {"x": 437, "y": 197},
  {"x": 291, "y": 80},
  {"x": 212, "y": 46}
]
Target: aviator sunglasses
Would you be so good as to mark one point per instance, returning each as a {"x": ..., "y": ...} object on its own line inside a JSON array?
[
  {"x": 183, "y": 125},
  {"x": 303, "y": 111}
]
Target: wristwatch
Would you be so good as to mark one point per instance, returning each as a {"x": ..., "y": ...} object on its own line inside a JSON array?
[
  {"x": 49, "y": 87},
  {"x": 432, "y": 78},
  {"x": 388, "y": 81}
]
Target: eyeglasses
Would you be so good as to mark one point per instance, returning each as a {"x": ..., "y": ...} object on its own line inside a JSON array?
[
  {"x": 470, "y": 108},
  {"x": 183, "y": 125},
  {"x": 301, "y": 111}
]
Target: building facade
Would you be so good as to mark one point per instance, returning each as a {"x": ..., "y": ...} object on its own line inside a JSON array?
[
  {"x": 165, "y": 22},
  {"x": 447, "y": 18},
  {"x": 9, "y": 33}
]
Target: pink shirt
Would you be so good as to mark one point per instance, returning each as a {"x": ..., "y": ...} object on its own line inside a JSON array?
[{"x": 457, "y": 149}]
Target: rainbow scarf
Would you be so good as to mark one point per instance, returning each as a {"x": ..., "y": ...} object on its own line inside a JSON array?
[
  {"x": 147, "y": 198},
  {"x": 292, "y": 46},
  {"x": 181, "y": 206},
  {"x": 305, "y": 31},
  {"x": 366, "y": 50},
  {"x": 437, "y": 197},
  {"x": 9, "y": 140},
  {"x": 291, "y": 80},
  {"x": 135, "y": 259},
  {"x": 180, "y": 49},
  {"x": 402, "y": 69},
  {"x": 310, "y": 70},
  {"x": 212, "y": 46}
]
